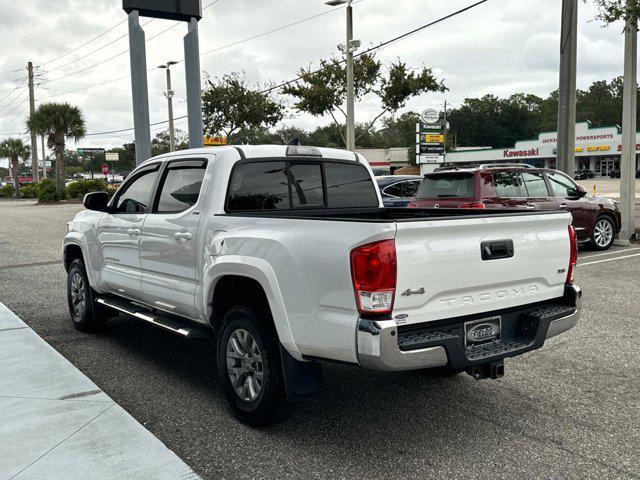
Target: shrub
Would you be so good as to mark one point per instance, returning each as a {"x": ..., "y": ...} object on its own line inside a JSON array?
[
  {"x": 6, "y": 191},
  {"x": 30, "y": 190},
  {"x": 79, "y": 188},
  {"x": 46, "y": 191}
]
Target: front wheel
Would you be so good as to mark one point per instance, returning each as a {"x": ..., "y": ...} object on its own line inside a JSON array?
[
  {"x": 249, "y": 367},
  {"x": 86, "y": 316},
  {"x": 603, "y": 233}
]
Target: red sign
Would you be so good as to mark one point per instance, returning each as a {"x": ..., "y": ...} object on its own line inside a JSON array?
[{"x": 105, "y": 168}]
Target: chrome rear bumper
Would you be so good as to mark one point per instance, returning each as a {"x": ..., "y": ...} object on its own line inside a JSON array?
[{"x": 378, "y": 349}]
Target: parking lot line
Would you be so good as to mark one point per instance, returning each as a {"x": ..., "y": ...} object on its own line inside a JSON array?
[
  {"x": 626, "y": 250},
  {"x": 608, "y": 260}
]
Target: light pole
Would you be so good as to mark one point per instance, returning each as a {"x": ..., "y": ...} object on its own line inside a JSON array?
[
  {"x": 348, "y": 49},
  {"x": 565, "y": 159},
  {"x": 169, "y": 95}
]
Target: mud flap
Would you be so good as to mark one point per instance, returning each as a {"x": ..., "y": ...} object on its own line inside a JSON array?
[{"x": 302, "y": 380}]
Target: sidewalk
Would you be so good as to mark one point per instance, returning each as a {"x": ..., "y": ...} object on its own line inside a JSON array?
[{"x": 57, "y": 424}]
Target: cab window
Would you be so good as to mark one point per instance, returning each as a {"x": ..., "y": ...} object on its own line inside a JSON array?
[
  {"x": 136, "y": 194},
  {"x": 180, "y": 186}
]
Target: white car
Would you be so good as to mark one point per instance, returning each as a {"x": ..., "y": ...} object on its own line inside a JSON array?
[{"x": 288, "y": 257}]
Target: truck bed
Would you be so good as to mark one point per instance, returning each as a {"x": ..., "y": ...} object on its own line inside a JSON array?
[{"x": 382, "y": 215}]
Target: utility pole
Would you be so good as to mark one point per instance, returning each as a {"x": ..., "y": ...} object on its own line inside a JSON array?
[
  {"x": 351, "y": 127},
  {"x": 565, "y": 160},
  {"x": 629, "y": 109},
  {"x": 34, "y": 140},
  {"x": 169, "y": 94},
  {"x": 348, "y": 50},
  {"x": 444, "y": 155},
  {"x": 44, "y": 159}
]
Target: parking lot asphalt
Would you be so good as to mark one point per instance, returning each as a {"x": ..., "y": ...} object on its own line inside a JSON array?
[{"x": 568, "y": 410}]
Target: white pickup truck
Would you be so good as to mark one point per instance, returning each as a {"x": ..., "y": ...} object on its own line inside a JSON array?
[{"x": 288, "y": 257}]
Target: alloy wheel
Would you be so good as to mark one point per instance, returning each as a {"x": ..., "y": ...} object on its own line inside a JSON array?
[
  {"x": 244, "y": 365},
  {"x": 603, "y": 233},
  {"x": 78, "y": 295}
]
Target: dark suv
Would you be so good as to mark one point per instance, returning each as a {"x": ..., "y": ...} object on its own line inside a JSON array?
[{"x": 518, "y": 187}]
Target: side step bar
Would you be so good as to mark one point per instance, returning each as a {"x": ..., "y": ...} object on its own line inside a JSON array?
[{"x": 166, "y": 321}]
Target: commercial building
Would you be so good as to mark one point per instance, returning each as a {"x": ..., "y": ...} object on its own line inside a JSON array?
[
  {"x": 597, "y": 149},
  {"x": 385, "y": 161}
]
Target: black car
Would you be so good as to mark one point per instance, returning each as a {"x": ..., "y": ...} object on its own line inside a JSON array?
[
  {"x": 398, "y": 190},
  {"x": 583, "y": 174}
]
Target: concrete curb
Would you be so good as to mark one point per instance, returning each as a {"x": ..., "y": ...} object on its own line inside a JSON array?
[{"x": 57, "y": 424}]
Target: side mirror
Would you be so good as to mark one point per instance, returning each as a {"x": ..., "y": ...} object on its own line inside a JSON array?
[
  {"x": 580, "y": 191},
  {"x": 97, "y": 201}
]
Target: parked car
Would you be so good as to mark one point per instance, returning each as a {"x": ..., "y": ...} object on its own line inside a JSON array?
[
  {"x": 288, "y": 258},
  {"x": 614, "y": 173},
  {"x": 583, "y": 174},
  {"x": 517, "y": 187},
  {"x": 398, "y": 190}
]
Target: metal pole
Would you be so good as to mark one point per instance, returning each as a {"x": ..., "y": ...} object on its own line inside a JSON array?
[
  {"x": 44, "y": 159},
  {"x": 194, "y": 89},
  {"x": 628, "y": 158},
  {"x": 172, "y": 138},
  {"x": 567, "y": 90},
  {"x": 351, "y": 133},
  {"x": 139, "y": 90},
  {"x": 34, "y": 139},
  {"x": 444, "y": 156}
]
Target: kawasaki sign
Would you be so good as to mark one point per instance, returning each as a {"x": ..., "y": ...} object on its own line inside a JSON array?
[{"x": 532, "y": 152}]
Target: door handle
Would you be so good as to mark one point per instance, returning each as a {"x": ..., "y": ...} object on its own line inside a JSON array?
[
  {"x": 183, "y": 236},
  {"x": 562, "y": 205},
  {"x": 530, "y": 207},
  {"x": 134, "y": 232}
]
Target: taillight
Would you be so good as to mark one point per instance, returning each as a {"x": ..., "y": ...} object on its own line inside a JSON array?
[
  {"x": 373, "y": 270},
  {"x": 412, "y": 205},
  {"x": 472, "y": 205},
  {"x": 573, "y": 255}
]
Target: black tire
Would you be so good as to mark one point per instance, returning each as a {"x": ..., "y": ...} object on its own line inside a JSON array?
[
  {"x": 603, "y": 221},
  {"x": 270, "y": 406},
  {"x": 92, "y": 317}
]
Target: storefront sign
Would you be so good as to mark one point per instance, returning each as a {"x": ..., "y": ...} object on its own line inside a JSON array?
[
  {"x": 432, "y": 138},
  {"x": 532, "y": 152},
  {"x": 214, "y": 141}
]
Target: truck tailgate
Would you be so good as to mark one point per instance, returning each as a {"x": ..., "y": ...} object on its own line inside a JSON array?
[{"x": 441, "y": 272}]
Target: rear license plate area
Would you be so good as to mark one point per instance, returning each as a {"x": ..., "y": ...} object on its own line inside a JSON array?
[{"x": 482, "y": 331}]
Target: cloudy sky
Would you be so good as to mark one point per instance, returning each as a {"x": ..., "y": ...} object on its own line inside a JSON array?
[{"x": 499, "y": 47}]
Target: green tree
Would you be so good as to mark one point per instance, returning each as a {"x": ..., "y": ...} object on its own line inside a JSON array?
[
  {"x": 14, "y": 149},
  {"x": 230, "y": 105},
  {"x": 610, "y": 11},
  {"x": 160, "y": 143},
  {"x": 323, "y": 92},
  {"x": 58, "y": 121}
]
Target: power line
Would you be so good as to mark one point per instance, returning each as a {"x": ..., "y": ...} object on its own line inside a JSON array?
[
  {"x": 386, "y": 43},
  {"x": 13, "y": 90},
  {"x": 381, "y": 45},
  {"x": 117, "y": 54},
  {"x": 84, "y": 44}
]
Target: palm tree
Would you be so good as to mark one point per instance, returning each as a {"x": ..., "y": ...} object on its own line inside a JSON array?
[
  {"x": 14, "y": 149},
  {"x": 58, "y": 121}
]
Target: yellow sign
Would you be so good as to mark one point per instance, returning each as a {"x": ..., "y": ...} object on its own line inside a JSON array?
[
  {"x": 213, "y": 141},
  {"x": 596, "y": 148},
  {"x": 433, "y": 138},
  {"x": 579, "y": 149}
]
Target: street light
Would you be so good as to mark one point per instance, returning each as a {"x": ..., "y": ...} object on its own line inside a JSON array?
[
  {"x": 169, "y": 94},
  {"x": 348, "y": 50}
]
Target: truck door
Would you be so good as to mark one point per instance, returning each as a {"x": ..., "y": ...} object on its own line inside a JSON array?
[
  {"x": 119, "y": 233},
  {"x": 168, "y": 242}
]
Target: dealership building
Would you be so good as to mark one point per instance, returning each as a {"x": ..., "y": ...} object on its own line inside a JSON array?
[{"x": 597, "y": 149}]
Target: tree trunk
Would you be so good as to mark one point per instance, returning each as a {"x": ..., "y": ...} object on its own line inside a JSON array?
[
  {"x": 16, "y": 177},
  {"x": 58, "y": 150}
]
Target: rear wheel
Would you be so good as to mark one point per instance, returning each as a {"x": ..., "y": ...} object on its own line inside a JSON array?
[
  {"x": 603, "y": 233},
  {"x": 249, "y": 367},
  {"x": 86, "y": 315}
]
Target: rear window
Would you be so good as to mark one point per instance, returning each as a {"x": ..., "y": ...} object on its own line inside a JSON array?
[
  {"x": 508, "y": 185},
  {"x": 447, "y": 185},
  {"x": 282, "y": 185}
]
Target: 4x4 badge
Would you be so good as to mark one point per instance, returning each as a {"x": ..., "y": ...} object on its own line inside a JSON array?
[{"x": 408, "y": 292}]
